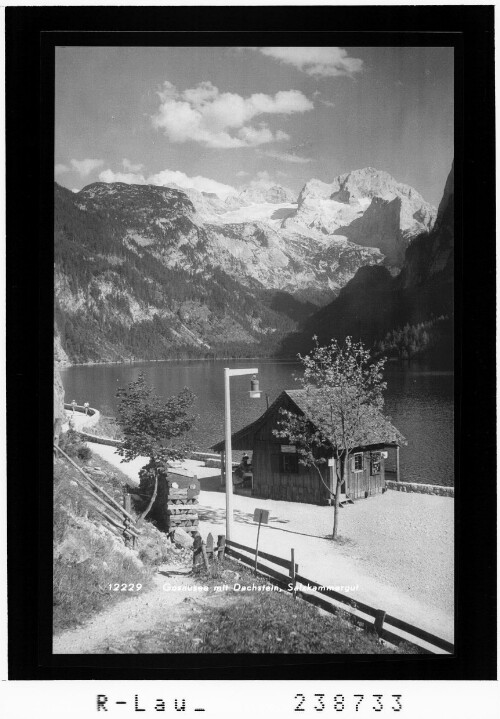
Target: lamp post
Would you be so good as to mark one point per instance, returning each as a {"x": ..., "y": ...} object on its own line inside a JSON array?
[{"x": 254, "y": 393}]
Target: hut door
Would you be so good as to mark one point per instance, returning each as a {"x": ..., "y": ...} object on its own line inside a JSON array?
[{"x": 375, "y": 476}]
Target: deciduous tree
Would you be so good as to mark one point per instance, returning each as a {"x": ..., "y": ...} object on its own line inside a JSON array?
[
  {"x": 154, "y": 428},
  {"x": 343, "y": 409}
]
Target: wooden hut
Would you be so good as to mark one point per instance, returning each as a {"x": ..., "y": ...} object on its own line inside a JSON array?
[{"x": 277, "y": 473}]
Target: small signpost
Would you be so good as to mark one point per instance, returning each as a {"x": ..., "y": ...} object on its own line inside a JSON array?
[{"x": 262, "y": 517}]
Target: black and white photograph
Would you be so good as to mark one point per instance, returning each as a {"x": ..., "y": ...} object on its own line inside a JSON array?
[
  {"x": 251, "y": 266},
  {"x": 254, "y": 350}
]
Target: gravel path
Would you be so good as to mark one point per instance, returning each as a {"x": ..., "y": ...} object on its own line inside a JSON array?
[
  {"x": 396, "y": 549},
  {"x": 134, "y": 614}
]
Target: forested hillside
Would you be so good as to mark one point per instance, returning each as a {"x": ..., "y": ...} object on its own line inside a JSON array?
[{"x": 116, "y": 300}]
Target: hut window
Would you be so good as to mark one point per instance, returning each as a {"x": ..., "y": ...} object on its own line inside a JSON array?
[
  {"x": 358, "y": 462},
  {"x": 289, "y": 464},
  {"x": 375, "y": 463}
]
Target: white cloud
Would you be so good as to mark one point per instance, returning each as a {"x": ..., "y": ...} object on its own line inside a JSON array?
[
  {"x": 60, "y": 168},
  {"x": 317, "y": 96},
  {"x": 285, "y": 156},
  {"x": 242, "y": 173},
  {"x": 200, "y": 183},
  {"x": 253, "y": 136},
  {"x": 263, "y": 181},
  {"x": 321, "y": 61},
  {"x": 220, "y": 120},
  {"x": 130, "y": 178},
  {"x": 167, "y": 178},
  {"x": 127, "y": 165},
  {"x": 85, "y": 167}
]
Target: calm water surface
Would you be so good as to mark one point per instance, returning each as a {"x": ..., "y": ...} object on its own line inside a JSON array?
[{"x": 418, "y": 401}]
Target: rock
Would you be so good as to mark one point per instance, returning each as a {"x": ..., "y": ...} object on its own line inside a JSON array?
[
  {"x": 229, "y": 576},
  {"x": 368, "y": 207},
  {"x": 71, "y": 551},
  {"x": 182, "y": 538},
  {"x": 265, "y": 193}
]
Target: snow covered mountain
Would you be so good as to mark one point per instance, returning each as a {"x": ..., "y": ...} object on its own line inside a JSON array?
[
  {"x": 367, "y": 207},
  {"x": 149, "y": 253},
  {"x": 246, "y": 239},
  {"x": 374, "y": 303}
]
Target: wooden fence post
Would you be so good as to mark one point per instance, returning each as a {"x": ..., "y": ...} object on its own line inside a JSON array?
[
  {"x": 379, "y": 621},
  {"x": 126, "y": 534},
  {"x": 221, "y": 546},
  {"x": 292, "y": 571},
  {"x": 127, "y": 502},
  {"x": 197, "y": 554},
  {"x": 204, "y": 553},
  {"x": 210, "y": 546}
]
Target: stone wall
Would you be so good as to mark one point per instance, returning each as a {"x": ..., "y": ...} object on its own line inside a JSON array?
[
  {"x": 100, "y": 440},
  {"x": 437, "y": 490}
]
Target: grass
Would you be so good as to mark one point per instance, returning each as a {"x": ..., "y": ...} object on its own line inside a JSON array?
[
  {"x": 256, "y": 622},
  {"x": 88, "y": 556}
]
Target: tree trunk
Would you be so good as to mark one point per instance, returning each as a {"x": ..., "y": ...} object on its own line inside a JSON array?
[
  {"x": 151, "y": 501},
  {"x": 340, "y": 481},
  {"x": 336, "y": 511}
]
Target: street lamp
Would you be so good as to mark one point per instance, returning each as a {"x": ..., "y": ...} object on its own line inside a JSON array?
[{"x": 254, "y": 393}]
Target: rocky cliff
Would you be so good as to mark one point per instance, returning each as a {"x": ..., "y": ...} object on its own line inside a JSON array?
[
  {"x": 133, "y": 279},
  {"x": 143, "y": 271},
  {"x": 60, "y": 359},
  {"x": 374, "y": 303},
  {"x": 191, "y": 230},
  {"x": 367, "y": 207},
  {"x": 432, "y": 256}
]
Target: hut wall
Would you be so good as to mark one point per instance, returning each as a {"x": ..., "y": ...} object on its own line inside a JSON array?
[
  {"x": 270, "y": 481},
  {"x": 368, "y": 481}
]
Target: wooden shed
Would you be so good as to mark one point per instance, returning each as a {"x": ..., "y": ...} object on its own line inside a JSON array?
[{"x": 277, "y": 473}]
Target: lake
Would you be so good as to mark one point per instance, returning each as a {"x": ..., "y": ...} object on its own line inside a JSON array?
[{"x": 418, "y": 400}]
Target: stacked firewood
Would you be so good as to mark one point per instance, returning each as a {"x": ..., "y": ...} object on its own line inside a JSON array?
[{"x": 182, "y": 502}]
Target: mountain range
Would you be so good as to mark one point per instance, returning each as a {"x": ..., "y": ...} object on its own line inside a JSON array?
[
  {"x": 150, "y": 272},
  {"x": 402, "y": 314}
]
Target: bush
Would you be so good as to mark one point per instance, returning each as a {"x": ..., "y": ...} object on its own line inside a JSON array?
[
  {"x": 105, "y": 427},
  {"x": 71, "y": 443}
]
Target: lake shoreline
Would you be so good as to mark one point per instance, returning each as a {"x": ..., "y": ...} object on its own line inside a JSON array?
[
  {"x": 393, "y": 361},
  {"x": 418, "y": 401},
  {"x": 127, "y": 363}
]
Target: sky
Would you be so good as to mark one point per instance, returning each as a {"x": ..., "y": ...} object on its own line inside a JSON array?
[{"x": 218, "y": 118}]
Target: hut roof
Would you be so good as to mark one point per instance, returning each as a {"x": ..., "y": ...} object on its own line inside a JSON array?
[{"x": 377, "y": 431}]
